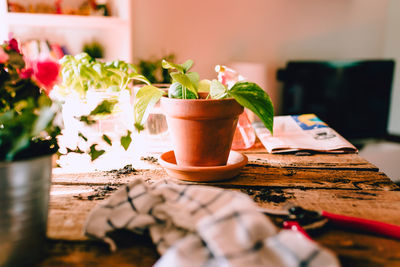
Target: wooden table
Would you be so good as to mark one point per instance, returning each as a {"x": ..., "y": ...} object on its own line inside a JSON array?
[{"x": 344, "y": 184}]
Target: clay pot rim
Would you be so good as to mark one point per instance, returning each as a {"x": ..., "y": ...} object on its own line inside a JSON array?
[
  {"x": 198, "y": 99},
  {"x": 165, "y": 160}
]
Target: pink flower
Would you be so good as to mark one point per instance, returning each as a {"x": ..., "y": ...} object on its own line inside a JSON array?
[
  {"x": 3, "y": 55},
  {"x": 45, "y": 72},
  {"x": 26, "y": 73},
  {"x": 13, "y": 44}
]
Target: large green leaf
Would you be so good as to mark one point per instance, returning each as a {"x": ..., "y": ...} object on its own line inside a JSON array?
[
  {"x": 185, "y": 81},
  {"x": 145, "y": 99},
  {"x": 253, "y": 97}
]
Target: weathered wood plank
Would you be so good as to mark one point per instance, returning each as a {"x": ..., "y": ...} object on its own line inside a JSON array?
[
  {"x": 316, "y": 161},
  {"x": 139, "y": 253},
  {"x": 251, "y": 175},
  {"x": 70, "y": 205},
  {"x": 67, "y": 212},
  {"x": 310, "y": 178},
  {"x": 359, "y": 250}
]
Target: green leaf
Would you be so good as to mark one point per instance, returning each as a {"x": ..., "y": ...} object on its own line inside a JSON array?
[
  {"x": 82, "y": 136},
  {"x": 218, "y": 90},
  {"x": 139, "y": 77},
  {"x": 204, "y": 86},
  {"x": 172, "y": 66},
  {"x": 107, "y": 139},
  {"x": 187, "y": 65},
  {"x": 145, "y": 99},
  {"x": 104, "y": 108},
  {"x": 94, "y": 153},
  {"x": 126, "y": 140},
  {"x": 76, "y": 150},
  {"x": 176, "y": 90},
  {"x": 45, "y": 117},
  {"x": 185, "y": 81},
  {"x": 88, "y": 120},
  {"x": 194, "y": 79},
  {"x": 253, "y": 97}
]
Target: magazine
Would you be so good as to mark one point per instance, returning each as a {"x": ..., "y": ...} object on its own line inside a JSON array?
[{"x": 304, "y": 132}]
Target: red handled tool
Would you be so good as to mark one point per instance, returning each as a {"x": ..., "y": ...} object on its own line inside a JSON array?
[{"x": 308, "y": 219}]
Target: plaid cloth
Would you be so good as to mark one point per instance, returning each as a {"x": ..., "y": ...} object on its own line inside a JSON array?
[{"x": 202, "y": 226}]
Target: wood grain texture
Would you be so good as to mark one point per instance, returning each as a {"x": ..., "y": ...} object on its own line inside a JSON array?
[
  {"x": 344, "y": 184},
  {"x": 70, "y": 206},
  {"x": 252, "y": 175},
  {"x": 316, "y": 161}
]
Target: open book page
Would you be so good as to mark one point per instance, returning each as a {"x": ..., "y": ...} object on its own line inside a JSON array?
[{"x": 302, "y": 132}]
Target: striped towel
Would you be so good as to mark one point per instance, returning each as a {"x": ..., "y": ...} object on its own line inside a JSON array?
[{"x": 202, "y": 226}]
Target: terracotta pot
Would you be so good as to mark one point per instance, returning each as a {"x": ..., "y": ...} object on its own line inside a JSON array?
[{"x": 201, "y": 130}]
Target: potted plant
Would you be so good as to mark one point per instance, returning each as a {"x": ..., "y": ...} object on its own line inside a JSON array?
[
  {"x": 202, "y": 124},
  {"x": 29, "y": 128},
  {"x": 96, "y": 97}
]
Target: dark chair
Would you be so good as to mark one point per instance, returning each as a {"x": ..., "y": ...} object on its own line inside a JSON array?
[{"x": 353, "y": 97}]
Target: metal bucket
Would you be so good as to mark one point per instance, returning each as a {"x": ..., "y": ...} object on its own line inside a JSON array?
[{"x": 24, "y": 197}]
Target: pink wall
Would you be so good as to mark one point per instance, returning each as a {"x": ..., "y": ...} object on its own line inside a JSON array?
[{"x": 268, "y": 31}]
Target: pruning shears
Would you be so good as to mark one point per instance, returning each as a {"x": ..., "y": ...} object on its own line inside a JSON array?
[{"x": 300, "y": 219}]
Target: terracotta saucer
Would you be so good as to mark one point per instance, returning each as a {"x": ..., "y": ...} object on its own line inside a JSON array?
[{"x": 236, "y": 161}]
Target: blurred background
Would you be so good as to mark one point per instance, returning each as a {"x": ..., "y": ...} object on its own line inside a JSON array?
[{"x": 354, "y": 43}]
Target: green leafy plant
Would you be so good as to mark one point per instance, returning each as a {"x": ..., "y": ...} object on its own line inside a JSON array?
[
  {"x": 81, "y": 73},
  {"x": 28, "y": 124},
  {"x": 187, "y": 84},
  {"x": 153, "y": 70}
]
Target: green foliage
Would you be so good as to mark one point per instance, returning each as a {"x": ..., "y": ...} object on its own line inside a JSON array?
[
  {"x": 81, "y": 72},
  {"x": 253, "y": 97},
  {"x": 186, "y": 85},
  {"x": 93, "y": 49},
  {"x": 153, "y": 71},
  {"x": 145, "y": 99},
  {"x": 176, "y": 90},
  {"x": 107, "y": 139},
  {"x": 250, "y": 96},
  {"x": 181, "y": 74},
  {"x": 94, "y": 153},
  {"x": 126, "y": 140},
  {"x": 27, "y": 127},
  {"x": 218, "y": 90}
]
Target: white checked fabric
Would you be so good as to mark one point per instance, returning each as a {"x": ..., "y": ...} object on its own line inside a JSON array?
[{"x": 202, "y": 226}]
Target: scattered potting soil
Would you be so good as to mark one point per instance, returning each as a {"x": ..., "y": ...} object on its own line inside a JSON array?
[
  {"x": 150, "y": 159},
  {"x": 128, "y": 169},
  {"x": 99, "y": 193},
  {"x": 275, "y": 195}
]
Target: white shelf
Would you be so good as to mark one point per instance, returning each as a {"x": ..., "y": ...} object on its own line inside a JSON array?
[
  {"x": 70, "y": 21},
  {"x": 114, "y": 33}
]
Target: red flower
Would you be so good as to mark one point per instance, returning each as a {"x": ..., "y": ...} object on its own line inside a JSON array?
[
  {"x": 45, "y": 72},
  {"x": 13, "y": 44},
  {"x": 26, "y": 73}
]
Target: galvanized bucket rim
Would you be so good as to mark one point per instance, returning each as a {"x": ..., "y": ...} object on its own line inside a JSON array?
[{"x": 7, "y": 163}]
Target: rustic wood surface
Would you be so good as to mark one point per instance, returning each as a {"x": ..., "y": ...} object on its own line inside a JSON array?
[{"x": 344, "y": 184}]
